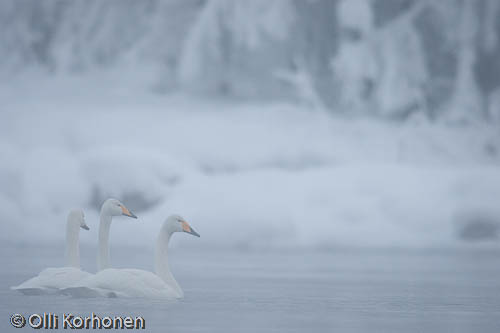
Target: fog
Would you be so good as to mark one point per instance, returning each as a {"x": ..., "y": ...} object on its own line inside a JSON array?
[
  {"x": 270, "y": 126},
  {"x": 271, "y": 119}
]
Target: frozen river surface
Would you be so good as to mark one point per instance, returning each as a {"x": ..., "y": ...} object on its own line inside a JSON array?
[{"x": 326, "y": 291}]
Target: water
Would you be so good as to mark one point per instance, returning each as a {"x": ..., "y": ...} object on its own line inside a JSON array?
[{"x": 326, "y": 291}]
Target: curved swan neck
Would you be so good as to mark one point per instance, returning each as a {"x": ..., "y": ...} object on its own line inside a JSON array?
[
  {"x": 103, "y": 261},
  {"x": 72, "y": 252},
  {"x": 161, "y": 261}
]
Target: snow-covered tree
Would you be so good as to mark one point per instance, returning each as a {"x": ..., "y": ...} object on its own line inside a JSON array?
[
  {"x": 381, "y": 70},
  {"x": 392, "y": 59},
  {"x": 234, "y": 45},
  {"x": 465, "y": 104}
]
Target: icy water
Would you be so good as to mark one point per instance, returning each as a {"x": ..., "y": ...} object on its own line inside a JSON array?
[{"x": 326, "y": 291}]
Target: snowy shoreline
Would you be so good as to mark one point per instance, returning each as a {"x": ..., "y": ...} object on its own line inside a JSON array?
[{"x": 289, "y": 176}]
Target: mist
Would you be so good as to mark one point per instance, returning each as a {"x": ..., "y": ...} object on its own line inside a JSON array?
[{"x": 272, "y": 127}]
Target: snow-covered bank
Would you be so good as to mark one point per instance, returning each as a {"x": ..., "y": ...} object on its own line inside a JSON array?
[{"x": 245, "y": 175}]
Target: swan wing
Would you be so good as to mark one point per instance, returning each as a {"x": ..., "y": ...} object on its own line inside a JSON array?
[
  {"x": 122, "y": 283},
  {"x": 50, "y": 280}
]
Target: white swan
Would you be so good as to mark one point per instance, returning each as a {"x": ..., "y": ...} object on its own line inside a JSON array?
[
  {"x": 109, "y": 208},
  {"x": 134, "y": 282},
  {"x": 50, "y": 280}
]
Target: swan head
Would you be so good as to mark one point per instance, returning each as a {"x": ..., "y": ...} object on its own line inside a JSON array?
[
  {"x": 114, "y": 207},
  {"x": 77, "y": 217},
  {"x": 176, "y": 223}
]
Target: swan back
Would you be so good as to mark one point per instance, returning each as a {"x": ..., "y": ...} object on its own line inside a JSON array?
[
  {"x": 109, "y": 282},
  {"x": 51, "y": 280}
]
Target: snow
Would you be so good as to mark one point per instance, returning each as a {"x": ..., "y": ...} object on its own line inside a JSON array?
[
  {"x": 393, "y": 60},
  {"x": 245, "y": 174},
  {"x": 356, "y": 14},
  {"x": 227, "y": 51},
  {"x": 373, "y": 66}
]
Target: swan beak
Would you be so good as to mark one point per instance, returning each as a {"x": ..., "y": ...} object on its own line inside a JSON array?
[
  {"x": 85, "y": 227},
  {"x": 127, "y": 212},
  {"x": 187, "y": 228}
]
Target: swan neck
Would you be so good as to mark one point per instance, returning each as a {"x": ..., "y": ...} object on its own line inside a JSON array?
[
  {"x": 161, "y": 262},
  {"x": 103, "y": 260},
  {"x": 72, "y": 252}
]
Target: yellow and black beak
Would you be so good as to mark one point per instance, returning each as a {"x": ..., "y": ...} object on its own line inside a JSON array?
[
  {"x": 127, "y": 212},
  {"x": 187, "y": 228}
]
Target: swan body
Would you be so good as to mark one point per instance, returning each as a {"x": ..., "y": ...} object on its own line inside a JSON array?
[
  {"x": 134, "y": 282},
  {"x": 51, "y": 280}
]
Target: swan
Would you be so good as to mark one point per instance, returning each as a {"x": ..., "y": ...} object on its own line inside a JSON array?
[
  {"x": 134, "y": 282},
  {"x": 111, "y": 207},
  {"x": 50, "y": 280}
]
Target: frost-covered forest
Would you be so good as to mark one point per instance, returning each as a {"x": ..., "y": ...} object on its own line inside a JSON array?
[
  {"x": 376, "y": 122},
  {"x": 395, "y": 59}
]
